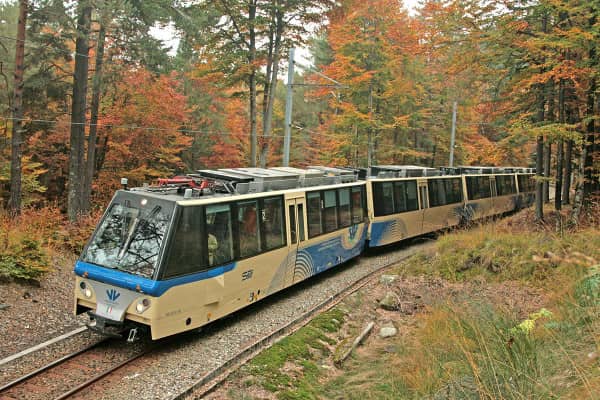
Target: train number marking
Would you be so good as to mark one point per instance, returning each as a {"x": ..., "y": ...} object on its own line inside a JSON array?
[{"x": 247, "y": 274}]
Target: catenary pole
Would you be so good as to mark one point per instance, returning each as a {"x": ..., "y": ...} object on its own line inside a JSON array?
[
  {"x": 453, "y": 134},
  {"x": 288, "y": 110}
]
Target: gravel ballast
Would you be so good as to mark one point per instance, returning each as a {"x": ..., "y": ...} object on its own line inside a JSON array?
[{"x": 182, "y": 361}]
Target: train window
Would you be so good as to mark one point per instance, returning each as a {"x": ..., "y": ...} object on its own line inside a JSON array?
[
  {"x": 505, "y": 185},
  {"x": 345, "y": 209},
  {"x": 301, "y": 222},
  {"x": 292, "y": 213},
  {"x": 313, "y": 208},
  {"x": 188, "y": 253},
  {"x": 383, "y": 193},
  {"x": 219, "y": 234},
  {"x": 405, "y": 196},
  {"x": 478, "y": 187},
  {"x": 454, "y": 190},
  {"x": 437, "y": 192},
  {"x": 358, "y": 204},
  {"x": 330, "y": 210},
  {"x": 249, "y": 228},
  {"x": 526, "y": 183},
  {"x": 273, "y": 223},
  {"x": 130, "y": 235}
]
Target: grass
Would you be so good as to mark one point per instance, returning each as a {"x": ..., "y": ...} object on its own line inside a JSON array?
[{"x": 467, "y": 349}]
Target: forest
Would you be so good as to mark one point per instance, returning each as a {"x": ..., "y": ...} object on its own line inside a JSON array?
[{"x": 90, "y": 94}]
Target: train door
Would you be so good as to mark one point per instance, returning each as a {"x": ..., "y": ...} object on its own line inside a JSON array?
[{"x": 296, "y": 232}]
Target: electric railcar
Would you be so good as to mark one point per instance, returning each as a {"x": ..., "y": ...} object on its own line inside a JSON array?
[{"x": 176, "y": 257}]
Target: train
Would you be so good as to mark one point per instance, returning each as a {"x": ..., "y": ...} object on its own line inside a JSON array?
[{"x": 187, "y": 251}]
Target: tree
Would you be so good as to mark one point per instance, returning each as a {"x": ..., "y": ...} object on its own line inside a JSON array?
[
  {"x": 78, "y": 112},
  {"x": 14, "y": 203}
]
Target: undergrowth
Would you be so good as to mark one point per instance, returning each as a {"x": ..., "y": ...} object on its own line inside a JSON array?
[
  {"x": 531, "y": 257},
  {"x": 468, "y": 349},
  {"x": 28, "y": 241}
]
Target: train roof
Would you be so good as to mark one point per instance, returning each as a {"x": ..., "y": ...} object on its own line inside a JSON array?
[{"x": 227, "y": 182}]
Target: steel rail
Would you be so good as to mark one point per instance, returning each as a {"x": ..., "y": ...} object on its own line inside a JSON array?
[
  {"x": 101, "y": 375},
  {"x": 49, "y": 366},
  {"x": 211, "y": 380}
]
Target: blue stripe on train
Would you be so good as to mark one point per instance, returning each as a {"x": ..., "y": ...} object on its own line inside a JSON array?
[
  {"x": 378, "y": 230},
  {"x": 148, "y": 286}
]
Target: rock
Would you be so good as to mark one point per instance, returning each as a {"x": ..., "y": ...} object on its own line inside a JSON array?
[
  {"x": 4, "y": 306},
  {"x": 387, "y": 279},
  {"x": 388, "y": 330},
  {"x": 389, "y": 302},
  {"x": 593, "y": 355},
  {"x": 408, "y": 307}
]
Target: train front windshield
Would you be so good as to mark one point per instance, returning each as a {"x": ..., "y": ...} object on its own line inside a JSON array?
[{"x": 131, "y": 234}]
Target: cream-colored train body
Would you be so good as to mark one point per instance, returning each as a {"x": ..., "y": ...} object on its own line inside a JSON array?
[
  {"x": 283, "y": 247},
  {"x": 173, "y": 261},
  {"x": 401, "y": 208}
]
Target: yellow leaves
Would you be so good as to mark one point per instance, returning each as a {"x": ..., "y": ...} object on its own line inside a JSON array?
[{"x": 528, "y": 325}]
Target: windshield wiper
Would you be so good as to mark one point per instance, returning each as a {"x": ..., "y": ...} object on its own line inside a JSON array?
[{"x": 133, "y": 229}]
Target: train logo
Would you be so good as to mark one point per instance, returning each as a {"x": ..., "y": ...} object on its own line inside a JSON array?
[
  {"x": 352, "y": 232},
  {"x": 112, "y": 294}
]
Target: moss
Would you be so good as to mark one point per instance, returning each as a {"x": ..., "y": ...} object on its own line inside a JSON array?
[{"x": 301, "y": 350}]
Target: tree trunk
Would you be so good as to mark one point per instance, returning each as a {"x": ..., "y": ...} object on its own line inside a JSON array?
[
  {"x": 567, "y": 174},
  {"x": 252, "y": 82},
  {"x": 14, "y": 202},
  {"x": 77, "y": 139},
  {"x": 559, "y": 148},
  {"x": 547, "y": 170},
  {"x": 539, "y": 164},
  {"x": 95, "y": 106},
  {"x": 539, "y": 187},
  {"x": 589, "y": 144},
  {"x": 268, "y": 117}
]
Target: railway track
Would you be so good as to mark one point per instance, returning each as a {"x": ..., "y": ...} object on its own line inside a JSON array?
[
  {"x": 63, "y": 378},
  {"x": 211, "y": 380},
  {"x": 77, "y": 372}
]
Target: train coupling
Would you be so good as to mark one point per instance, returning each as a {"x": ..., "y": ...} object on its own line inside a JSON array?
[{"x": 104, "y": 326}]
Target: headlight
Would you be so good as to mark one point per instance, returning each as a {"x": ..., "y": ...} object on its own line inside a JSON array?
[
  {"x": 85, "y": 289},
  {"x": 142, "y": 305}
]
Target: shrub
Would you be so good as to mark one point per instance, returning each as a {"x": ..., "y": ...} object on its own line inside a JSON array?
[{"x": 22, "y": 258}]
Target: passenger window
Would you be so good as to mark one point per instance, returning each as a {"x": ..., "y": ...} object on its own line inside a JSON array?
[
  {"x": 292, "y": 212},
  {"x": 454, "y": 192},
  {"x": 358, "y": 209},
  {"x": 301, "y": 222},
  {"x": 424, "y": 198},
  {"x": 478, "y": 187},
  {"x": 506, "y": 185},
  {"x": 313, "y": 204},
  {"x": 330, "y": 211},
  {"x": 273, "y": 223},
  {"x": 249, "y": 228},
  {"x": 219, "y": 235},
  {"x": 526, "y": 183},
  {"x": 383, "y": 198},
  {"x": 345, "y": 211},
  {"x": 188, "y": 250},
  {"x": 412, "y": 200},
  {"x": 437, "y": 193}
]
